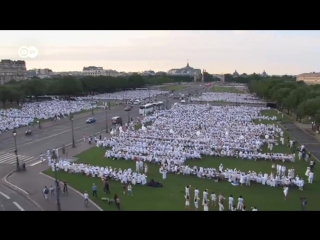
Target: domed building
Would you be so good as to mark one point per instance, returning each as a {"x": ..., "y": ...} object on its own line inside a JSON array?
[
  {"x": 264, "y": 74},
  {"x": 185, "y": 71},
  {"x": 235, "y": 74}
]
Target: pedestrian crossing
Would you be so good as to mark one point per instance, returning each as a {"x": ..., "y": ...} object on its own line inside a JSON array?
[{"x": 10, "y": 158}]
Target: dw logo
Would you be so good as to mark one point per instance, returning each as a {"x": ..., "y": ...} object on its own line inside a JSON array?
[{"x": 28, "y": 52}]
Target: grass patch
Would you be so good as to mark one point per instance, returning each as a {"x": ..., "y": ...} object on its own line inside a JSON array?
[
  {"x": 281, "y": 116},
  {"x": 171, "y": 196},
  {"x": 227, "y": 89},
  {"x": 174, "y": 88}
]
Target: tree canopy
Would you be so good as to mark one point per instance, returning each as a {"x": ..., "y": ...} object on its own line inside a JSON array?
[{"x": 296, "y": 97}]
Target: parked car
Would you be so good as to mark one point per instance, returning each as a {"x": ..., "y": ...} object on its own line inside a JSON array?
[
  {"x": 127, "y": 108},
  {"x": 116, "y": 120},
  {"x": 91, "y": 120}
]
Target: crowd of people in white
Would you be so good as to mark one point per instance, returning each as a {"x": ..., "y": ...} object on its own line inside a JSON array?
[
  {"x": 126, "y": 95},
  {"x": 124, "y": 176},
  {"x": 14, "y": 118},
  {"x": 279, "y": 176},
  {"x": 189, "y": 131},
  {"x": 227, "y": 97}
]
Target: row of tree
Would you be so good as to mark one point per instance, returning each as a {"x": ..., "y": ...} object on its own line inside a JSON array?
[
  {"x": 296, "y": 97},
  {"x": 67, "y": 87}
]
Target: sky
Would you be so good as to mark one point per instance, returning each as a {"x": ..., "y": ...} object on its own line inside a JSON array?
[{"x": 276, "y": 52}]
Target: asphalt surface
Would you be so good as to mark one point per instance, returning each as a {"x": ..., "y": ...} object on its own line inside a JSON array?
[
  {"x": 304, "y": 138},
  {"x": 11, "y": 200},
  {"x": 53, "y": 135}
]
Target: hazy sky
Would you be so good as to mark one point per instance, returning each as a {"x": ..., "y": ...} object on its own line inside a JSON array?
[{"x": 276, "y": 52}]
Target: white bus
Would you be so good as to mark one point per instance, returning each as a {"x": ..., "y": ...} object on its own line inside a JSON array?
[
  {"x": 158, "y": 106},
  {"x": 146, "y": 109}
]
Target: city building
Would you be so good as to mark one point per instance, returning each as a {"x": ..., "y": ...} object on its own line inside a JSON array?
[
  {"x": 309, "y": 78},
  {"x": 12, "y": 70},
  {"x": 264, "y": 74},
  {"x": 70, "y": 73},
  {"x": 235, "y": 74},
  {"x": 160, "y": 73},
  {"x": 100, "y": 72},
  {"x": 92, "y": 68},
  {"x": 148, "y": 73},
  {"x": 185, "y": 71},
  {"x": 40, "y": 73}
]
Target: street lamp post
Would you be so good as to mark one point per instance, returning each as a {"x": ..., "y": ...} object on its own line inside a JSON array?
[
  {"x": 39, "y": 123},
  {"x": 55, "y": 160},
  {"x": 16, "y": 150},
  {"x": 107, "y": 130},
  {"x": 128, "y": 117},
  {"x": 73, "y": 142}
]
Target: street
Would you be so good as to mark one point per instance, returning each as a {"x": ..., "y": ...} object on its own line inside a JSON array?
[{"x": 57, "y": 135}]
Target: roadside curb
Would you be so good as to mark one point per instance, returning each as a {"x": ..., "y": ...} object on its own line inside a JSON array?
[
  {"x": 22, "y": 192},
  {"x": 76, "y": 191}
]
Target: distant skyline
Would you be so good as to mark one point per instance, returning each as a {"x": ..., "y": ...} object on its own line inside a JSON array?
[{"x": 276, "y": 52}]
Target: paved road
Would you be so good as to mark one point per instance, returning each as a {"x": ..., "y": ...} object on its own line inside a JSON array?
[
  {"x": 30, "y": 147},
  {"x": 11, "y": 200},
  {"x": 304, "y": 138}
]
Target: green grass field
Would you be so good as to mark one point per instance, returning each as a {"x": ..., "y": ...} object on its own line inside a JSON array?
[
  {"x": 174, "y": 88},
  {"x": 171, "y": 196},
  {"x": 227, "y": 89}
]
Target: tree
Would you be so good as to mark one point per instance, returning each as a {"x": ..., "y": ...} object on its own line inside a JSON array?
[
  {"x": 4, "y": 94},
  {"x": 35, "y": 87},
  {"x": 69, "y": 87}
]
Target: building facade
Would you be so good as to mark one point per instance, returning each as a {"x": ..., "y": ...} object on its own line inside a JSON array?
[
  {"x": 185, "y": 71},
  {"x": 101, "y": 72},
  {"x": 309, "y": 78},
  {"x": 12, "y": 70}
]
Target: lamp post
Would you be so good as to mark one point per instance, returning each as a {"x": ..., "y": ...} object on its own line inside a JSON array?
[
  {"x": 128, "y": 116},
  {"x": 39, "y": 123},
  {"x": 16, "y": 150},
  {"x": 55, "y": 160},
  {"x": 106, "y": 109},
  {"x": 73, "y": 142}
]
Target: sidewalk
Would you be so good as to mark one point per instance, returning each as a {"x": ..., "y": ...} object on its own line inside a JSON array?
[{"x": 33, "y": 181}]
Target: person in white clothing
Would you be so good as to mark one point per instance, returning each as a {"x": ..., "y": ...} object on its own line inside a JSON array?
[
  {"x": 196, "y": 203},
  {"x": 187, "y": 190},
  {"x": 221, "y": 207},
  {"x": 254, "y": 209},
  {"x": 205, "y": 206},
  {"x": 231, "y": 200},
  {"x": 187, "y": 203},
  {"x": 240, "y": 203},
  {"x": 145, "y": 168},
  {"x": 196, "y": 193},
  {"x": 86, "y": 198},
  {"x": 285, "y": 192},
  {"x": 310, "y": 177},
  {"x": 213, "y": 199}
]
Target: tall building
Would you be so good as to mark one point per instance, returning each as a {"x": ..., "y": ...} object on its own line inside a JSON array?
[
  {"x": 309, "y": 78},
  {"x": 12, "y": 70}
]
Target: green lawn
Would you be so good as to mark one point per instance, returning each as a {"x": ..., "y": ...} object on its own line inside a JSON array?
[
  {"x": 227, "y": 89},
  {"x": 171, "y": 196},
  {"x": 174, "y": 88}
]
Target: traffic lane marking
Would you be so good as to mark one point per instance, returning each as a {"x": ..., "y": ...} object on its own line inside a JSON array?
[
  {"x": 18, "y": 206},
  {"x": 4, "y": 195}
]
